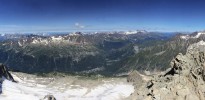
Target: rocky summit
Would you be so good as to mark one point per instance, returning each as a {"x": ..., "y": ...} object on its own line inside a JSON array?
[{"x": 184, "y": 80}]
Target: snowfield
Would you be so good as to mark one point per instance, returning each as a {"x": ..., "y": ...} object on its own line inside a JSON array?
[{"x": 29, "y": 88}]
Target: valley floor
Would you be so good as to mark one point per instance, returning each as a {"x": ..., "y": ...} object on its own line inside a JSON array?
[{"x": 32, "y": 87}]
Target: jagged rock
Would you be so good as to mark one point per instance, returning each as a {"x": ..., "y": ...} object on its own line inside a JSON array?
[
  {"x": 49, "y": 97},
  {"x": 185, "y": 80},
  {"x": 4, "y": 73},
  {"x": 135, "y": 77},
  {"x": 150, "y": 84}
]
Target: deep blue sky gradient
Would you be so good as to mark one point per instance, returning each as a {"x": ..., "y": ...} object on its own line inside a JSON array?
[{"x": 101, "y": 15}]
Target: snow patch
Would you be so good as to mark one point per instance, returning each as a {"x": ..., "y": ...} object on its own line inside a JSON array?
[
  {"x": 159, "y": 53},
  {"x": 186, "y": 37},
  {"x": 23, "y": 90},
  {"x": 198, "y": 35},
  {"x": 60, "y": 38},
  {"x": 135, "y": 32},
  {"x": 19, "y": 43}
]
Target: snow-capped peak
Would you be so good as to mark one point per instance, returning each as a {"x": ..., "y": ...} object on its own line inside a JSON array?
[
  {"x": 135, "y": 32},
  {"x": 199, "y": 34},
  {"x": 186, "y": 37}
]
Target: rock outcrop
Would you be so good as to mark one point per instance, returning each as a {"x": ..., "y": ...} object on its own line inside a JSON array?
[
  {"x": 4, "y": 73},
  {"x": 185, "y": 80},
  {"x": 136, "y": 78},
  {"x": 49, "y": 97}
]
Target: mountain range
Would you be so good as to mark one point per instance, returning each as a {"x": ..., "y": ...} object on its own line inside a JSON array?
[{"x": 106, "y": 53}]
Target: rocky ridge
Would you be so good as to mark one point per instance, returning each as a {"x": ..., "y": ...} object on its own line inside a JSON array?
[{"x": 185, "y": 80}]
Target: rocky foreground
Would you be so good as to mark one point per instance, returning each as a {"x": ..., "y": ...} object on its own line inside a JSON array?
[{"x": 185, "y": 80}]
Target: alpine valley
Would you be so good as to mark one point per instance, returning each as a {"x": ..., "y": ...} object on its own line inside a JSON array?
[{"x": 105, "y": 53}]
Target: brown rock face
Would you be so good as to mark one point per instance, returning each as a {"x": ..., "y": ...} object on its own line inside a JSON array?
[
  {"x": 185, "y": 80},
  {"x": 135, "y": 78}
]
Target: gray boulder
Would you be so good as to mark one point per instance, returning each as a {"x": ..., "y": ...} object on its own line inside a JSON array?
[{"x": 49, "y": 97}]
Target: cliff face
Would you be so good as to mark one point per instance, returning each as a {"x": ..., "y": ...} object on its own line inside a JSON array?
[
  {"x": 185, "y": 80},
  {"x": 4, "y": 74}
]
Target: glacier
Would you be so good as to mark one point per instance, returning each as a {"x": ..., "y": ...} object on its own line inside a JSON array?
[{"x": 28, "y": 89}]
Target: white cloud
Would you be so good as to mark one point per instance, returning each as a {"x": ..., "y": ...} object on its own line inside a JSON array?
[{"x": 79, "y": 26}]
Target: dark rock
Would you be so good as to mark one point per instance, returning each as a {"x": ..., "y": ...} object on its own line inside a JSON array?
[
  {"x": 49, "y": 97},
  {"x": 170, "y": 71},
  {"x": 150, "y": 84},
  {"x": 4, "y": 73}
]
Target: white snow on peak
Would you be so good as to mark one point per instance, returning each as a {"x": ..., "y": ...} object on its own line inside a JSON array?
[
  {"x": 45, "y": 41},
  {"x": 40, "y": 41},
  {"x": 3, "y": 34},
  {"x": 199, "y": 34},
  {"x": 73, "y": 34},
  {"x": 131, "y": 32},
  {"x": 135, "y": 32},
  {"x": 56, "y": 40},
  {"x": 186, "y": 37},
  {"x": 59, "y": 38},
  {"x": 35, "y": 41}
]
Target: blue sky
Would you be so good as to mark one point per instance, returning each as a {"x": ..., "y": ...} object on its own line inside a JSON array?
[{"x": 101, "y": 15}]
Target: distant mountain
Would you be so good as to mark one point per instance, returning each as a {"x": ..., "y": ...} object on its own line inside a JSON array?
[
  {"x": 158, "y": 55},
  {"x": 104, "y": 53},
  {"x": 136, "y": 32}
]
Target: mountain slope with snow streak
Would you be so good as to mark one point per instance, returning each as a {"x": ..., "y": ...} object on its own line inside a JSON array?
[{"x": 192, "y": 36}]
